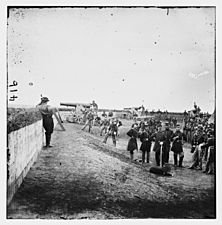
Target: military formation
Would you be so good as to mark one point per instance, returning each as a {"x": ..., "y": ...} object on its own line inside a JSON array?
[{"x": 165, "y": 140}]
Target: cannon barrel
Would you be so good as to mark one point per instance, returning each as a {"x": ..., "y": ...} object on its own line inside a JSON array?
[{"x": 75, "y": 104}]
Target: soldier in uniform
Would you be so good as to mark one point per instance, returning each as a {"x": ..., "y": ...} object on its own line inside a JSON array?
[
  {"x": 89, "y": 120},
  {"x": 94, "y": 106},
  {"x": 141, "y": 125},
  {"x": 198, "y": 152},
  {"x": 166, "y": 144},
  {"x": 210, "y": 146},
  {"x": 194, "y": 142},
  {"x": 112, "y": 131},
  {"x": 159, "y": 138},
  {"x": 104, "y": 125},
  {"x": 177, "y": 146},
  {"x": 119, "y": 124},
  {"x": 188, "y": 127},
  {"x": 132, "y": 143},
  {"x": 145, "y": 138},
  {"x": 46, "y": 112}
]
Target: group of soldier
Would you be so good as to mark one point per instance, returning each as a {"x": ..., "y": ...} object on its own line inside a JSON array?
[
  {"x": 200, "y": 132},
  {"x": 192, "y": 122},
  {"x": 108, "y": 125},
  {"x": 202, "y": 139},
  {"x": 162, "y": 143},
  {"x": 202, "y": 145},
  {"x": 203, "y": 148}
]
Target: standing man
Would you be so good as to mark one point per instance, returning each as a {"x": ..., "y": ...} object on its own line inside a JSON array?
[
  {"x": 89, "y": 120},
  {"x": 142, "y": 110},
  {"x": 198, "y": 141},
  {"x": 94, "y": 107},
  {"x": 132, "y": 143},
  {"x": 189, "y": 132},
  {"x": 166, "y": 144},
  {"x": 46, "y": 112},
  {"x": 104, "y": 114},
  {"x": 211, "y": 147},
  {"x": 104, "y": 125},
  {"x": 159, "y": 137},
  {"x": 174, "y": 121},
  {"x": 112, "y": 131},
  {"x": 146, "y": 144},
  {"x": 119, "y": 124},
  {"x": 177, "y": 146}
]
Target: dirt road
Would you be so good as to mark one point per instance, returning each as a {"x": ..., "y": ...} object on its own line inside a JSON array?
[{"x": 82, "y": 178}]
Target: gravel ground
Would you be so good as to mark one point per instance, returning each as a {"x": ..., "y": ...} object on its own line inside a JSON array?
[{"x": 82, "y": 178}]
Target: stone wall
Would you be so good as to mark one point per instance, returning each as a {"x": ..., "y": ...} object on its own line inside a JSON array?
[{"x": 23, "y": 148}]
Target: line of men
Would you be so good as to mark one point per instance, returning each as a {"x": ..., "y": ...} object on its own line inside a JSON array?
[
  {"x": 203, "y": 146},
  {"x": 162, "y": 140}
]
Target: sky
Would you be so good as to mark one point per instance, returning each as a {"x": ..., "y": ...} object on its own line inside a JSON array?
[{"x": 119, "y": 57}]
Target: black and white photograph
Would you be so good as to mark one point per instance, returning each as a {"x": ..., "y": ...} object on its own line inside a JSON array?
[{"x": 111, "y": 112}]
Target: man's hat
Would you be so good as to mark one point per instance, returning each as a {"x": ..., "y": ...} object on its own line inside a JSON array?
[{"x": 44, "y": 99}]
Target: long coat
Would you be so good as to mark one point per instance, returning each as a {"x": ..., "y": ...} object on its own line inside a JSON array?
[
  {"x": 132, "y": 143},
  {"x": 177, "y": 146},
  {"x": 146, "y": 142},
  {"x": 47, "y": 119},
  {"x": 159, "y": 137},
  {"x": 168, "y": 136}
]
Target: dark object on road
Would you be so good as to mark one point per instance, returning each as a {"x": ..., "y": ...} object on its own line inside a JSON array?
[{"x": 161, "y": 170}]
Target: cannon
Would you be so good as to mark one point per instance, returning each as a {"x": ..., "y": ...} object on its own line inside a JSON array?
[{"x": 76, "y": 105}]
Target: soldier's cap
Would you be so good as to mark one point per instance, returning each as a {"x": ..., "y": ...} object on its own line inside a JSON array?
[{"x": 44, "y": 99}]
